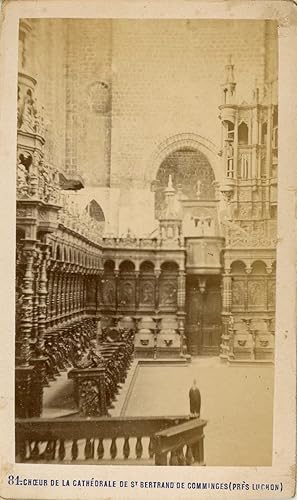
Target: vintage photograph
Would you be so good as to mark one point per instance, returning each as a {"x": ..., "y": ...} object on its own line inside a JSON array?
[{"x": 146, "y": 229}]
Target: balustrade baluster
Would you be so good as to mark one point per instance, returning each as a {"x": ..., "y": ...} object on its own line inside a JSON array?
[
  {"x": 113, "y": 448},
  {"x": 54, "y": 450},
  {"x": 196, "y": 452},
  {"x": 151, "y": 447},
  {"x": 173, "y": 458},
  {"x": 138, "y": 448},
  {"x": 189, "y": 455},
  {"x": 88, "y": 449},
  {"x": 181, "y": 456},
  {"x": 74, "y": 450},
  {"x": 22, "y": 450},
  {"x": 48, "y": 451},
  {"x": 35, "y": 452},
  {"x": 61, "y": 451},
  {"x": 100, "y": 449},
  {"x": 126, "y": 448}
]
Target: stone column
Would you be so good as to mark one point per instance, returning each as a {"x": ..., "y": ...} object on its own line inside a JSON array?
[
  {"x": 181, "y": 301},
  {"x": 23, "y": 351},
  {"x": 36, "y": 276},
  {"x": 116, "y": 281},
  {"x": 38, "y": 377},
  {"x": 63, "y": 292},
  {"x": 137, "y": 289},
  {"x": 42, "y": 307},
  {"x": 54, "y": 292},
  {"x": 226, "y": 313},
  {"x": 157, "y": 284},
  {"x": 67, "y": 290},
  {"x": 82, "y": 292},
  {"x": 58, "y": 294}
]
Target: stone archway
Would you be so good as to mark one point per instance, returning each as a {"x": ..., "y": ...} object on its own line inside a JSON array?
[
  {"x": 183, "y": 141},
  {"x": 191, "y": 173}
]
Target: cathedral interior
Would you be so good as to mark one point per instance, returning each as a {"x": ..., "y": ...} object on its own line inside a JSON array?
[{"x": 145, "y": 228}]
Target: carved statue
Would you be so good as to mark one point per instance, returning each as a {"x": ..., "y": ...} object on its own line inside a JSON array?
[
  {"x": 92, "y": 359},
  {"x": 28, "y": 114},
  {"x": 22, "y": 179}
]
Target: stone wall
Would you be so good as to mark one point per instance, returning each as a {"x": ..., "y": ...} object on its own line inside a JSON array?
[{"x": 115, "y": 90}]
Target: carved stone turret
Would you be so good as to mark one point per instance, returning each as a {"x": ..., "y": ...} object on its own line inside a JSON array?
[{"x": 170, "y": 222}]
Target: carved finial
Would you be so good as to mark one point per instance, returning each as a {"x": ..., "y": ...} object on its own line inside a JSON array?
[{"x": 229, "y": 70}]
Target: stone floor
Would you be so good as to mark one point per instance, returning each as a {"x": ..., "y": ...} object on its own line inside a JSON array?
[{"x": 237, "y": 402}]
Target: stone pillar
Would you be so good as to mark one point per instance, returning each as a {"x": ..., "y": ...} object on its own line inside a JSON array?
[
  {"x": 181, "y": 301},
  {"x": 42, "y": 306},
  {"x": 67, "y": 290},
  {"x": 157, "y": 284},
  {"x": 23, "y": 343},
  {"x": 54, "y": 292},
  {"x": 82, "y": 292},
  {"x": 226, "y": 313},
  {"x": 181, "y": 290},
  {"x": 137, "y": 290},
  {"x": 36, "y": 276},
  {"x": 23, "y": 351},
  {"x": 63, "y": 292},
  {"x": 116, "y": 281},
  {"x": 39, "y": 359}
]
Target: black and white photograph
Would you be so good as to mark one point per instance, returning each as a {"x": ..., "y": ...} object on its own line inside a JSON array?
[
  {"x": 150, "y": 298},
  {"x": 147, "y": 156}
]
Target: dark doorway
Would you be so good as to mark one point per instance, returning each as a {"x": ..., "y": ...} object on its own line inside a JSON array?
[{"x": 203, "y": 321}]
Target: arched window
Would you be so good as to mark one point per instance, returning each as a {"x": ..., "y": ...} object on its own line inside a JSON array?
[
  {"x": 95, "y": 211},
  {"x": 191, "y": 173},
  {"x": 243, "y": 133}
]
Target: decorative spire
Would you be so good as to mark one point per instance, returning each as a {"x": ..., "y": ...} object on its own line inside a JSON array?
[
  {"x": 170, "y": 188},
  {"x": 229, "y": 70},
  {"x": 230, "y": 84}
]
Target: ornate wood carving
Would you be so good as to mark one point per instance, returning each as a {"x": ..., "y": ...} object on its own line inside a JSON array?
[
  {"x": 126, "y": 293},
  {"x": 256, "y": 293},
  {"x": 109, "y": 291},
  {"x": 271, "y": 293},
  {"x": 147, "y": 292},
  {"x": 168, "y": 292},
  {"x": 238, "y": 292}
]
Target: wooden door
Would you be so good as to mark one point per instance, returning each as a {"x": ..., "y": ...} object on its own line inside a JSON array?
[{"x": 203, "y": 320}]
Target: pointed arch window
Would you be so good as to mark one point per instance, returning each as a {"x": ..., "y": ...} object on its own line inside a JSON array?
[
  {"x": 95, "y": 211},
  {"x": 243, "y": 133}
]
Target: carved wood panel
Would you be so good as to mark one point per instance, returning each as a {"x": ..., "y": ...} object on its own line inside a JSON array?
[
  {"x": 238, "y": 293},
  {"x": 168, "y": 292},
  {"x": 147, "y": 292},
  {"x": 126, "y": 293},
  {"x": 256, "y": 293},
  {"x": 109, "y": 291},
  {"x": 271, "y": 294}
]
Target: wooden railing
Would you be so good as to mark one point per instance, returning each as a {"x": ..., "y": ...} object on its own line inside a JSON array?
[
  {"x": 175, "y": 439},
  {"x": 111, "y": 440}
]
